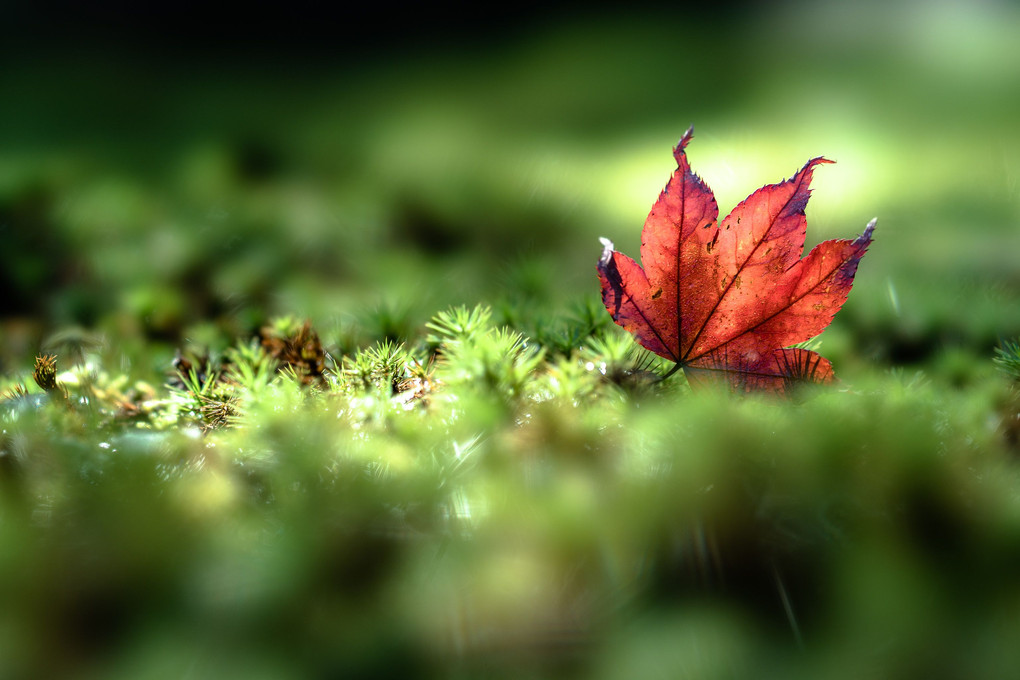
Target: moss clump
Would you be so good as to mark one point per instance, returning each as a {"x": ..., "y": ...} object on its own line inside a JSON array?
[{"x": 478, "y": 504}]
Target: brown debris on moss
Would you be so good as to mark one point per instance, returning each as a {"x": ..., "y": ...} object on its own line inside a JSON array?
[
  {"x": 297, "y": 348},
  {"x": 45, "y": 376}
]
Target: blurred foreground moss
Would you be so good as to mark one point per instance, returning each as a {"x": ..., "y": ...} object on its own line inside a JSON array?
[{"x": 503, "y": 510}]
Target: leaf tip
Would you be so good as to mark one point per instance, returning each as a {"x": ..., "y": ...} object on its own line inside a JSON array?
[
  {"x": 678, "y": 151},
  {"x": 866, "y": 236},
  {"x": 607, "y": 250}
]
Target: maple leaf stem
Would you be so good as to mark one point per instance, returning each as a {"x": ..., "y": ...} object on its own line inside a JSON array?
[{"x": 673, "y": 370}]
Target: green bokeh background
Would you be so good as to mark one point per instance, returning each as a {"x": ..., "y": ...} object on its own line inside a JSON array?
[
  {"x": 149, "y": 189},
  {"x": 180, "y": 181}
]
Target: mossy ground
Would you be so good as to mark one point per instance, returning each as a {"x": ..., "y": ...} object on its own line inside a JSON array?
[{"x": 478, "y": 505}]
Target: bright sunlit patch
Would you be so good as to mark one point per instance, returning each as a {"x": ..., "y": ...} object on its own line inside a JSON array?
[{"x": 734, "y": 162}]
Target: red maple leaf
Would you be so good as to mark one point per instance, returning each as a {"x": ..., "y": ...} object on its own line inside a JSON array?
[{"x": 725, "y": 300}]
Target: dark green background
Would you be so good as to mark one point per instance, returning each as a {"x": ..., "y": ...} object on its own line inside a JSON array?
[{"x": 184, "y": 168}]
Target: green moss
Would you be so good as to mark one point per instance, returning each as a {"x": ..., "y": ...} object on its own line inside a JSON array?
[{"x": 476, "y": 504}]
